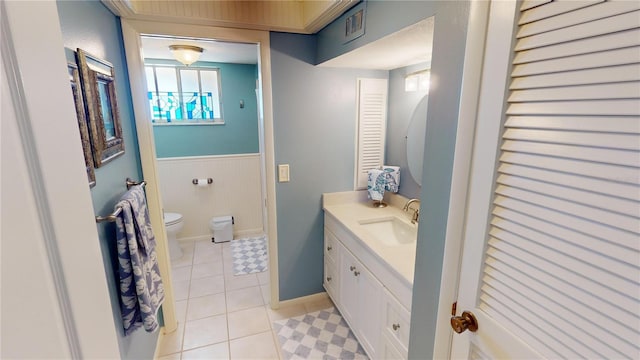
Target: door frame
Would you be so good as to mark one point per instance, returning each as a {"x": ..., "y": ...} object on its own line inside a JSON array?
[
  {"x": 131, "y": 31},
  {"x": 58, "y": 230}
]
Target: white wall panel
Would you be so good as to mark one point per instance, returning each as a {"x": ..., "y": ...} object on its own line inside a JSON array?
[{"x": 235, "y": 191}]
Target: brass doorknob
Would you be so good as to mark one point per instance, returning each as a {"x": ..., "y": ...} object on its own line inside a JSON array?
[{"x": 465, "y": 322}]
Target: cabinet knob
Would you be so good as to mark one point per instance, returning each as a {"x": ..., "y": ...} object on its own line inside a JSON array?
[
  {"x": 328, "y": 278},
  {"x": 352, "y": 267},
  {"x": 395, "y": 327},
  {"x": 356, "y": 273},
  {"x": 329, "y": 248}
]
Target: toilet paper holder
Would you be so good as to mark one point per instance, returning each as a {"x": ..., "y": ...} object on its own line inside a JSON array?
[{"x": 195, "y": 181}]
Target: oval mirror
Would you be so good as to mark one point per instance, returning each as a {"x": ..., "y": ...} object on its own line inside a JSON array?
[{"x": 415, "y": 139}]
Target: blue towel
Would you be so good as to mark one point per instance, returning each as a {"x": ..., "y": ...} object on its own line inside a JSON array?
[
  {"x": 141, "y": 288},
  {"x": 376, "y": 182}
]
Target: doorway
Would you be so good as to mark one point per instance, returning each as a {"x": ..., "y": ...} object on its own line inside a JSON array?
[
  {"x": 206, "y": 133},
  {"x": 135, "y": 33}
]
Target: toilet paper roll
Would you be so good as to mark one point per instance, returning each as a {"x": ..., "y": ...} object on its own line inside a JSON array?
[{"x": 202, "y": 182}]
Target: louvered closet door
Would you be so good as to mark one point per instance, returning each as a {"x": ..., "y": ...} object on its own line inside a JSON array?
[
  {"x": 371, "y": 127},
  {"x": 551, "y": 263}
]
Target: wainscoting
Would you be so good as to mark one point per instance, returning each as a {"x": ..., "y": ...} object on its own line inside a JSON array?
[{"x": 236, "y": 191}]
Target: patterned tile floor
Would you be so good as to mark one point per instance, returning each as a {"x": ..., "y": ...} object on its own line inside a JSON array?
[
  {"x": 318, "y": 335},
  {"x": 222, "y": 316}
]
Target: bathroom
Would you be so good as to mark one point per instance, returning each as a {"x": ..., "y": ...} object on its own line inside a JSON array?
[
  {"x": 322, "y": 97},
  {"x": 70, "y": 290},
  {"x": 211, "y": 151},
  {"x": 335, "y": 77},
  {"x": 312, "y": 148},
  {"x": 222, "y": 156}
]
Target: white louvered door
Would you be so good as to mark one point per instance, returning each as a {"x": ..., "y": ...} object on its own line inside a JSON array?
[
  {"x": 371, "y": 127},
  {"x": 551, "y": 259}
]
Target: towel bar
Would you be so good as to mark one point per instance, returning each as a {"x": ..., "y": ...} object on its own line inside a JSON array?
[
  {"x": 112, "y": 217},
  {"x": 131, "y": 183}
]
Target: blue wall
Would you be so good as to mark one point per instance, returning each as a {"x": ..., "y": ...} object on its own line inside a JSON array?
[
  {"x": 92, "y": 27},
  {"x": 314, "y": 111},
  {"x": 451, "y": 17},
  {"x": 239, "y": 134},
  {"x": 400, "y": 110}
]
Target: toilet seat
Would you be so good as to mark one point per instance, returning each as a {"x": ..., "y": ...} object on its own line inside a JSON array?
[{"x": 172, "y": 218}]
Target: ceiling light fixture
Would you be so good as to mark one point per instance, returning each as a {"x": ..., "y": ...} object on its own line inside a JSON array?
[{"x": 186, "y": 54}]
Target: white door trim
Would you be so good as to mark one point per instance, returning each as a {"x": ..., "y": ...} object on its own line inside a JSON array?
[
  {"x": 469, "y": 98},
  {"x": 62, "y": 234},
  {"x": 132, "y": 29}
]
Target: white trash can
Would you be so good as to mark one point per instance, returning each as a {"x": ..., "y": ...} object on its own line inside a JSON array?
[{"x": 222, "y": 228}]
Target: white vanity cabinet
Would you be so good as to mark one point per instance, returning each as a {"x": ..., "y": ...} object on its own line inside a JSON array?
[{"x": 366, "y": 293}]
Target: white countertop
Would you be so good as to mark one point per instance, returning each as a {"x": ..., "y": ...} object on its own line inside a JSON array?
[{"x": 349, "y": 208}]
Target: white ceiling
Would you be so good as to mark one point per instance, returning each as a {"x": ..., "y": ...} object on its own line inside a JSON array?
[
  {"x": 214, "y": 51},
  {"x": 409, "y": 46}
]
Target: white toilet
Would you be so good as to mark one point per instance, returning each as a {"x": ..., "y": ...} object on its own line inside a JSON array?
[{"x": 173, "y": 223}]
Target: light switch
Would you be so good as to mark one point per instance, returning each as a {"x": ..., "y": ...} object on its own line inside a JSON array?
[{"x": 283, "y": 173}]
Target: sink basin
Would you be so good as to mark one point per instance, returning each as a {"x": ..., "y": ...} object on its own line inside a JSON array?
[{"x": 391, "y": 230}]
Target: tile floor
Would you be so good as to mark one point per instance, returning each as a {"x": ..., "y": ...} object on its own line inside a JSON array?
[{"x": 222, "y": 316}]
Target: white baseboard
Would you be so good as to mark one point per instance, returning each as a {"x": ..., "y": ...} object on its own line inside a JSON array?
[
  {"x": 237, "y": 234},
  {"x": 247, "y": 233},
  {"x": 195, "y": 238},
  {"x": 303, "y": 300}
]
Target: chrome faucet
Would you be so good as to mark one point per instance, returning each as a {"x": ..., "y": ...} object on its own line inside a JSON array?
[{"x": 416, "y": 212}]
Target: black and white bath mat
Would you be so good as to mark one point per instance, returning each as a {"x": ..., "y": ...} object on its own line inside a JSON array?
[
  {"x": 318, "y": 335},
  {"x": 249, "y": 255}
]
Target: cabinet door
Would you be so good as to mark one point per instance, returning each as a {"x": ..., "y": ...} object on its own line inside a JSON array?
[
  {"x": 368, "y": 316},
  {"x": 360, "y": 296},
  {"x": 348, "y": 293}
]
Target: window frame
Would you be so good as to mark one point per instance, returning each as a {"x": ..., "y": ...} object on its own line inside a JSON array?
[{"x": 163, "y": 121}]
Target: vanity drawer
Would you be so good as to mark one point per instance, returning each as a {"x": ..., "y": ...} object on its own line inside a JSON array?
[
  {"x": 330, "y": 245},
  {"x": 331, "y": 279},
  {"x": 396, "y": 321}
]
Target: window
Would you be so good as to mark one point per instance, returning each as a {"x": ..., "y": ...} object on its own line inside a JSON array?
[{"x": 184, "y": 95}]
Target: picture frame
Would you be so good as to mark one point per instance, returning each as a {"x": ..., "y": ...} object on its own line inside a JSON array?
[
  {"x": 74, "y": 79},
  {"x": 98, "y": 85}
]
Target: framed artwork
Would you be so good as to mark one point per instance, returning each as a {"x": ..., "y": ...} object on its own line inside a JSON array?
[
  {"x": 98, "y": 85},
  {"x": 82, "y": 122}
]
